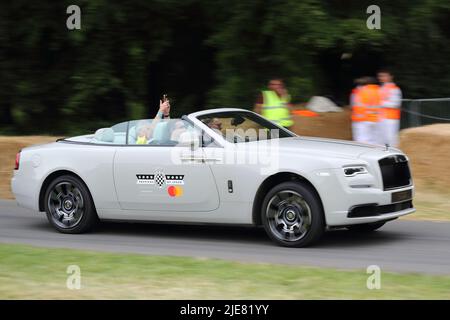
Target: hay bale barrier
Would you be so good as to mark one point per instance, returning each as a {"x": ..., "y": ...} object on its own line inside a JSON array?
[
  {"x": 334, "y": 125},
  {"x": 9, "y": 146},
  {"x": 428, "y": 149}
]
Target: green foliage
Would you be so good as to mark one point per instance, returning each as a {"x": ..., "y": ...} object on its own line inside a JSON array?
[
  {"x": 204, "y": 54},
  {"x": 136, "y": 110}
]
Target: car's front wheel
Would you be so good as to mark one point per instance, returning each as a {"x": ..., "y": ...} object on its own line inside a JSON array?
[
  {"x": 292, "y": 215},
  {"x": 69, "y": 205}
]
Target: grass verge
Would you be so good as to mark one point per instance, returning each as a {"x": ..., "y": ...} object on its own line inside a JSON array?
[
  {"x": 433, "y": 205},
  {"x": 39, "y": 273}
]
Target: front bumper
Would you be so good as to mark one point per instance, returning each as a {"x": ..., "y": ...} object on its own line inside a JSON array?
[
  {"x": 340, "y": 201},
  {"x": 374, "y": 210},
  {"x": 341, "y": 218}
]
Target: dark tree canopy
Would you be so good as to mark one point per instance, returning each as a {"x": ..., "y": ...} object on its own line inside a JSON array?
[{"x": 204, "y": 54}]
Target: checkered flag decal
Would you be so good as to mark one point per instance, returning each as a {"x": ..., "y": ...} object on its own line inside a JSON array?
[{"x": 160, "y": 180}]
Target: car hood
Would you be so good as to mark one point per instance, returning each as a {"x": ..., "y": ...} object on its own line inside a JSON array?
[{"x": 322, "y": 146}]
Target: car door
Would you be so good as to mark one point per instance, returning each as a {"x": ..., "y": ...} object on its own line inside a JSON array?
[{"x": 164, "y": 176}]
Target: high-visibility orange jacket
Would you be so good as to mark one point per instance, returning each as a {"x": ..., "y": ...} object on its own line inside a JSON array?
[
  {"x": 366, "y": 103},
  {"x": 358, "y": 110},
  {"x": 391, "y": 97},
  {"x": 370, "y": 97}
]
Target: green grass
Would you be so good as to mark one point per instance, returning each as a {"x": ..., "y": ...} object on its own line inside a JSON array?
[
  {"x": 39, "y": 273},
  {"x": 431, "y": 205}
]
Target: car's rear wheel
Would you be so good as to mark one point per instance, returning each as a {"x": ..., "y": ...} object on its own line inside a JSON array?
[
  {"x": 366, "y": 227},
  {"x": 292, "y": 215},
  {"x": 69, "y": 205}
]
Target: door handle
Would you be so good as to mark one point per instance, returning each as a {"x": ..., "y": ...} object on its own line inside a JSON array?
[
  {"x": 199, "y": 159},
  {"x": 193, "y": 158},
  {"x": 206, "y": 159}
]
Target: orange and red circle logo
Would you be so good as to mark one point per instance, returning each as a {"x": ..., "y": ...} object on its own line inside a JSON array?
[{"x": 175, "y": 191}]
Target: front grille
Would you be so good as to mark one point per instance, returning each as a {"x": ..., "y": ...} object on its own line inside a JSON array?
[
  {"x": 372, "y": 210},
  {"x": 395, "y": 172}
]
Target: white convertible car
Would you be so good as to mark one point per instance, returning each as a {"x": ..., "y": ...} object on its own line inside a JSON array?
[{"x": 225, "y": 166}]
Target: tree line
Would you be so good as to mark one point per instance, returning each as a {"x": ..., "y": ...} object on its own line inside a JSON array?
[{"x": 204, "y": 54}]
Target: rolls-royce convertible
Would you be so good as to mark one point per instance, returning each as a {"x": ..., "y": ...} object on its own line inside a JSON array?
[{"x": 220, "y": 166}]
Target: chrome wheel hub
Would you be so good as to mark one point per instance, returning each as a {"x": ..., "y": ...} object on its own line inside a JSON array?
[
  {"x": 66, "y": 205},
  {"x": 289, "y": 215}
]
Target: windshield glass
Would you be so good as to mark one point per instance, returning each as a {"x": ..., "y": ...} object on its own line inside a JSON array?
[{"x": 243, "y": 126}]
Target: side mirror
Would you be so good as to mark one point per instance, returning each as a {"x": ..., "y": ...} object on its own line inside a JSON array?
[{"x": 189, "y": 139}]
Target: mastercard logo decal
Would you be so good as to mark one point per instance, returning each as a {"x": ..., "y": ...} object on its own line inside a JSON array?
[
  {"x": 160, "y": 180},
  {"x": 175, "y": 191}
]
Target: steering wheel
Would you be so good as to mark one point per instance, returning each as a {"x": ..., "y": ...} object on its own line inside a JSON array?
[{"x": 238, "y": 138}]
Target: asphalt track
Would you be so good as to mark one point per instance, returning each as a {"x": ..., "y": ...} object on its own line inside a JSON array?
[{"x": 400, "y": 246}]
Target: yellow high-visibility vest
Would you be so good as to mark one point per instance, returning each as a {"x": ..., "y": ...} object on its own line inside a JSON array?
[
  {"x": 141, "y": 140},
  {"x": 275, "y": 109}
]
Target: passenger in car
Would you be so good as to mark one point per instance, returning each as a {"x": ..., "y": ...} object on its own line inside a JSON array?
[
  {"x": 144, "y": 129},
  {"x": 143, "y": 132}
]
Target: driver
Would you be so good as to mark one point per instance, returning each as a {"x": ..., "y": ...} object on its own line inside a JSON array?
[
  {"x": 144, "y": 129},
  {"x": 215, "y": 124}
]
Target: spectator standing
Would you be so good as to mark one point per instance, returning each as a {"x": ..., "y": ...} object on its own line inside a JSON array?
[
  {"x": 273, "y": 104},
  {"x": 391, "y": 99},
  {"x": 370, "y": 99},
  {"x": 358, "y": 111}
]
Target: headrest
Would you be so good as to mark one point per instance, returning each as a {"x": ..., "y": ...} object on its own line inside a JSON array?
[
  {"x": 160, "y": 132},
  {"x": 104, "y": 135},
  {"x": 132, "y": 135}
]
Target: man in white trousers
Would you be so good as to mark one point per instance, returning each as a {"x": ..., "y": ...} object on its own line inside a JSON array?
[
  {"x": 370, "y": 99},
  {"x": 358, "y": 111},
  {"x": 391, "y": 100}
]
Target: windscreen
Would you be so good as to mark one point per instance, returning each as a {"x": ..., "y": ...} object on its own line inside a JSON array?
[{"x": 237, "y": 127}]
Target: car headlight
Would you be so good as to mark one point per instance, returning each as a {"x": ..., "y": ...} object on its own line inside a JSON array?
[{"x": 354, "y": 170}]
